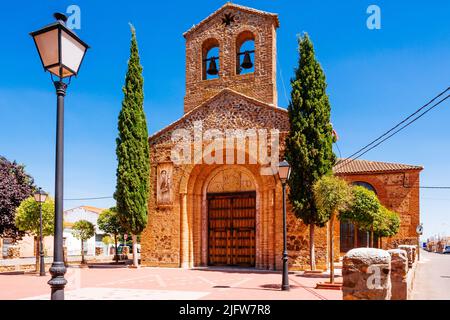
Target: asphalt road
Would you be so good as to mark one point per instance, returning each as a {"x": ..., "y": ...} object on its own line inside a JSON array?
[{"x": 432, "y": 280}]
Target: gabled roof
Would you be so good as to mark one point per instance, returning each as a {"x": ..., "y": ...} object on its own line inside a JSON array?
[
  {"x": 346, "y": 166},
  {"x": 230, "y": 5},
  {"x": 217, "y": 96},
  {"x": 88, "y": 208}
]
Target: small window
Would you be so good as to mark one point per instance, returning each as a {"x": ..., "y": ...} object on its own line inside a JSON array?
[
  {"x": 245, "y": 53},
  {"x": 210, "y": 59}
]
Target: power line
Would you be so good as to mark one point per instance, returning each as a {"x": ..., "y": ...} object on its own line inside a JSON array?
[
  {"x": 400, "y": 129},
  {"x": 282, "y": 82},
  {"x": 339, "y": 150},
  {"x": 102, "y": 198},
  {"x": 391, "y": 132},
  {"x": 443, "y": 188},
  {"x": 371, "y": 145},
  {"x": 85, "y": 199}
]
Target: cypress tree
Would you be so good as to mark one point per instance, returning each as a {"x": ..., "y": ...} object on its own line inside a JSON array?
[
  {"x": 133, "y": 152},
  {"x": 309, "y": 146}
]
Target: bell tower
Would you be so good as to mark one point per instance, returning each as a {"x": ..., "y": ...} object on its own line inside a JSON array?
[{"x": 234, "y": 48}]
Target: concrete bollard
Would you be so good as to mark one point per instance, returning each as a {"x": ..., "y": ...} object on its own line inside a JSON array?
[
  {"x": 411, "y": 253},
  {"x": 366, "y": 274},
  {"x": 414, "y": 248},
  {"x": 399, "y": 273}
]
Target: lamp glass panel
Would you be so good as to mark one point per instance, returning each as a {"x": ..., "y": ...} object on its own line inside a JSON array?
[
  {"x": 43, "y": 197},
  {"x": 283, "y": 172},
  {"x": 47, "y": 44},
  {"x": 40, "y": 196},
  {"x": 72, "y": 52},
  {"x": 66, "y": 73},
  {"x": 54, "y": 70}
]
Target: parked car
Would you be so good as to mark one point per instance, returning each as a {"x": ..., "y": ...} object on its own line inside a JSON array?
[
  {"x": 120, "y": 248},
  {"x": 446, "y": 249}
]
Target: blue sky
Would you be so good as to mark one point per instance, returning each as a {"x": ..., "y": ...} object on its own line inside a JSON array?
[{"x": 375, "y": 78}]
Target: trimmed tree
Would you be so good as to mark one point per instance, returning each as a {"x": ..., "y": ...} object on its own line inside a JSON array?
[
  {"x": 386, "y": 224},
  {"x": 333, "y": 196},
  {"x": 15, "y": 186},
  {"x": 83, "y": 230},
  {"x": 133, "y": 152},
  {"x": 309, "y": 146},
  {"x": 364, "y": 210},
  {"x": 108, "y": 221},
  {"x": 27, "y": 221}
]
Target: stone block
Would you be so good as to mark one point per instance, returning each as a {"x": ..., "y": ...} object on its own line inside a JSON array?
[
  {"x": 366, "y": 274},
  {"x": 411, "y": 253},
  {"x": 13, "y": 252},
  {"x": 399, "y": 273}
]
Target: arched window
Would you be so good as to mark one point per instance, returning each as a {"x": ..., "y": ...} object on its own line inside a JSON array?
[
  {"x": 245, "y": 53},
  {"x": 210, "y": 59},
  {"x": 366, "y": 185}
]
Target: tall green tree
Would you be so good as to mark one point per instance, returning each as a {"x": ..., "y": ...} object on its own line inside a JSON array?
[
  {"x": 27, "y": 220},
  {"x": 133, "y": 152},
  {"x": 309, "y": 146},
  {"x": 15, "y": 186},
  {"x": 108, "y": 221},
  {"x": 333, "y": 197},
  {"x": 83, "y": 230}
]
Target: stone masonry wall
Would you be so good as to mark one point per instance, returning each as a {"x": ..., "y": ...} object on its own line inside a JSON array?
[{"x": 161, "y": 240}]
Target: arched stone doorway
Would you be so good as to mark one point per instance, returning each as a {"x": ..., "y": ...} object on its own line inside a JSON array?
[
  {"x": 199, "y": 185},
  {"x": 231, "y": 214}
]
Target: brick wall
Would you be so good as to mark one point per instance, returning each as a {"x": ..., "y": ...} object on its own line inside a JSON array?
[
  {"x": 399, "y": 192},
  {"x": 261, "y": 84}
]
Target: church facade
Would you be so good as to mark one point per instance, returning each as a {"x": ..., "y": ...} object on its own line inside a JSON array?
[{"x": 216, "y": 197}]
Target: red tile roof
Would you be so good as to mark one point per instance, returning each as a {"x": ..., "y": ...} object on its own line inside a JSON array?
[
  {"x": 346, "y": 166},
  {"x": 93, "y": 209}
]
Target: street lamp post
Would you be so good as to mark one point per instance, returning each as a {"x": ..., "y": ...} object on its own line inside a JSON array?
[
  {"x": 40, "y": 196},
  {"x": 61, "y": 52},
  {"x": 284, "y": 171}
]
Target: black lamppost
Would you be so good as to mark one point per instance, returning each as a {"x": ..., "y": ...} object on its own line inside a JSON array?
[
  {"x": 284, "y": 171},
  {"x": 61, "y": 53},
  {"x": 40, "y": 196}
]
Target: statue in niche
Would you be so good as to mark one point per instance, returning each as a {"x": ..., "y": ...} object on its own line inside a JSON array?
[{"x": 164, "y": 184}]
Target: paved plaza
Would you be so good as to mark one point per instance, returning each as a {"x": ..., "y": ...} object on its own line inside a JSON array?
[{"x": 167, "y": 284}]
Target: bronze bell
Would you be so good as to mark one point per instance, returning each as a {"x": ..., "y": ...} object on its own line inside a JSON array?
[
  {"x": 247, "y": 63},
  {"x": 212, "y": 70}
]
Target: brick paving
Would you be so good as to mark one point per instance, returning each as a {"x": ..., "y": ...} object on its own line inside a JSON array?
[{"x": 168, "y": 284}]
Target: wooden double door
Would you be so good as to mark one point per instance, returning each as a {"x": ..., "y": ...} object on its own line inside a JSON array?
[{"x": 232, "y": 229}]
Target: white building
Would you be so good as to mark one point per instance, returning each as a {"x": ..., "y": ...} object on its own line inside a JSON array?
[{"x": 73, "y": 244}]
